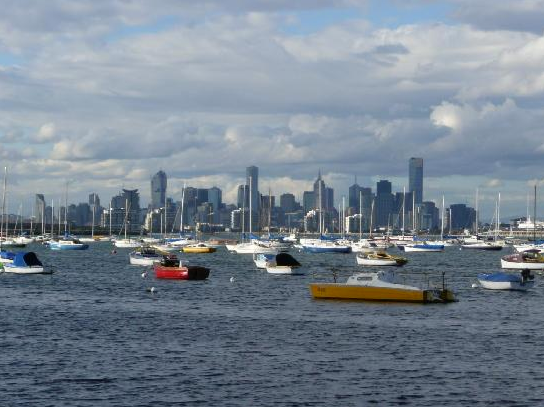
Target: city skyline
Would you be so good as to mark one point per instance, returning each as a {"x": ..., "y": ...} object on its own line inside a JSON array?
[{"x": 106, "y": 94}]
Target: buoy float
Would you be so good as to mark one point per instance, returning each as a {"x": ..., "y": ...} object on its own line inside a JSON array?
[{"x": 475, "y": 285}]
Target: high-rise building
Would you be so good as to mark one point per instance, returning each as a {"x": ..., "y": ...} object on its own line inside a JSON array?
[
  {"x": 384, "y": 203},
  {"x": 214, "y": 198},
  {"x": 308, "y": 201},
  {"x": 353, "y": 196},
  {"x": 461, "y": 216},
  {"x": 39, "y": 208},
  {"x": 415, "y": 180},
  {"x": 320, "y": 193},
  {"x": 158, "y": 190},
  {"x": 243, "y": 196},
  {"x": 287, "y": 202},
  {"x": 252, "y": 182}
]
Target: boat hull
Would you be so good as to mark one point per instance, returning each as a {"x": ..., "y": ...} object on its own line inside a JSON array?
[
  {"x": 80, "y": 246},
  {"x": 143, "y": 261},
  {"x": 365, "y": 293},
  {"x": 181, "y": 273},
  {"x": 506, "y": 285},
  {"x": 376, "y": 262},
  {"x": 25, "y": 270},
  {"x": 477, "y": 246},
  {"x": 414, "y": 249},
  {"x": 511, "y": 265},
  {"x": 317, "y": 249},
  {"x": 198, "y": 249}
]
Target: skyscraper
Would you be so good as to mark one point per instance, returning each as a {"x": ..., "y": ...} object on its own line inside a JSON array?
[
  {"x": 415, "y": 178},
  {"x": 252, "y": 182},
  {"x": 384, "y": 203},
  {"x": 158, "y": 189},
  {"x": 39, "y": 208}
]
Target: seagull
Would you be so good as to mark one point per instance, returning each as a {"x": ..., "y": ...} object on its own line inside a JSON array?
[
  {"x": 151, "y": 290},
  {"x": 144, "y": 274},
  {"x": 475, "y": 285},
  {"x": 232, "y": 279}
]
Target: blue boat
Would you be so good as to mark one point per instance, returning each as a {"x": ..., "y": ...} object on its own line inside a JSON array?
[
  {"x": 25, "y": 263},
  {"x": 507, "y": 281},
  {"x": 324, "y": 246}
]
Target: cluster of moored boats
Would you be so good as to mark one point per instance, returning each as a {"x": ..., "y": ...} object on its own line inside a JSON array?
[{"x": 271, "y": 254}]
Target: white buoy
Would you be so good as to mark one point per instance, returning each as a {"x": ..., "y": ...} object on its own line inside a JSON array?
[
  {"x": 475, "y": 285},
  {"x": 144, "y": 274},
  {"x": 152, "y": 290},
  {"x": 232, "y": 280}
]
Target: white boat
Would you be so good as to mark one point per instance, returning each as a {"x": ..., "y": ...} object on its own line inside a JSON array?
[
  {"x": 507, "y": 281},
  {"x": 262, "y": 260},
  {"x": 67, "y": 244},
  {"x": 25, "y": 263},
  {"x": 282, "y": 263},
  {"x": 482, "y": 246},
  {"x": 529, "y": 260},
  {"x": 127, "y": 243},
  {"x": 368, "y": 245},
  {"x": 526, "y": 247},
  {"x": 422, "y": 247},
  {"x": 379, "y": 259},
  {"x": 144, "y": 257},
  {"x": 323, "y": 246},
  {"x": 251, "y": 248}
]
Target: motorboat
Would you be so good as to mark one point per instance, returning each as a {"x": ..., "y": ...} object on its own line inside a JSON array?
[
  {"x": 421, "y": 247},
  {"x": 380, "y": 258},
  {"x": 9, "y": 242},
  {"x": 67, "y": 244},
  {"x": 25, "y": 263},
  {"x": 198, "y": 248},
  {"x": 379, "y": 286},
  {"x": 283, "y": 263},
  {"x": 145, "y": 256},
  {"x": 252, "y": 247},
  {"x": 527, "y": 260},
  {"x": 482, "y": 246},
  {"x": 527, "y": 246},
  {"x": 172, "y": 268},
  {"x": 521, "y": 281},
  {"x": 262, "y": 260},
  {"x": 368, "y": 245}
]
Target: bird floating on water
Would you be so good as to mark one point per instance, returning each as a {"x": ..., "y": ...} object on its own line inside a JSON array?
[
  {"x": 144, "y": 274},
  {"x": 475, "y": 285},
  {"x": 151, "y": 290},
  {"x": 232, "y": 280}
]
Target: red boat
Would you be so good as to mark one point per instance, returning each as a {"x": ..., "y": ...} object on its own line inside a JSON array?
[{"x": 171, "y": 268}]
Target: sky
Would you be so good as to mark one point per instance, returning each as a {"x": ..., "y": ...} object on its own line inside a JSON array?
[{"x": 101, "y": 94}]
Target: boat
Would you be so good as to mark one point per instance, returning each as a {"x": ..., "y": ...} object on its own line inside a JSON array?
[
  {"x": 126, "y": 242},
  {"x": 198, "y": 248},
  {"x": 283, "y": 263},
  {"x": 262, "y": 260},
  {"x": 538, "y": 246},
  {"x": 521, "y": 281},
  {"x": 25, "y": 263},
  {"x": 6, "y": 257},
  {"x": 379, "y": 286},
  {"x": 527, "y": 260},
  {"x": 323, "y": 245},
  {"x": 172, "y": 268},
  {"x": 252, "y": 247},
  {"x": 67, "y": 243},
  {"x": 482, "y": 245},
  {"x": 145, "y": 256},
  {"x": 422, "y": 247},
  {"x": 380, "y": 258}
]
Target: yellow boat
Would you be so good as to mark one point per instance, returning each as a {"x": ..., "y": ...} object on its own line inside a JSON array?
[
  {"x": 379, "y": 286},
  {"x": 198, "y": 248}
]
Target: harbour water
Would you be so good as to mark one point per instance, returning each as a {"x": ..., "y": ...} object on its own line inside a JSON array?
[{"x": 92, "y": 335}]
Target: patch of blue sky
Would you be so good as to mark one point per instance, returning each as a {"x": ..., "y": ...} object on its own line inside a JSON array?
[
  {"x": 8, "y": 59},
  {"x": 395, "y": 13},
  {"x": 127, "y": 31},
  {"x": 310, "y": 21},
  {"x": 380, "y": 13}
]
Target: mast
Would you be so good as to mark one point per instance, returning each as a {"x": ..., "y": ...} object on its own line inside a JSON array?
[
  {"x": 476, "y": 226},
  {"x": 3, "y": 207},
  {"x": 126, "y": 217},
  {"x": 182, "y": 204},
  {"x": 43, "y": 216},
  {"x": 250, "y": 210},
  {"x": 371, "y": 218},
  {"x": 31, "y": 222},
  {"x": 343, "y": 216},
  {"x": 269, "y": 210},
  {"x": 360, "y": 215},
  {"x": 59, "y": 217},
  {"x": 498, "y": 217},
  {"x": 534, "y": 216},
  {"x": 66, "y": 209},
  {"x": 320, "y": 210},
  {"x": 52, "y": 217},
  {"x": 21, "y": 218},
  {"x": 403, "y": 207},
  {"x": 414, "y": 226},
  {"x": 442, "y": 223},
  {"x": 94, "y": 208},
  {"x": 109, "y": 211}
]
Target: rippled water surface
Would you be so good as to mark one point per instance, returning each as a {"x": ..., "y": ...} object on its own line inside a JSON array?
[{"x": 92, "y": 335}]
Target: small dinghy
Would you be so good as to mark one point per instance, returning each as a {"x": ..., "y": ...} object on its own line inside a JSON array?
[
  {"x": 507, "y": 281},
  {"x": 421, "y": 247},
  {"x": 530, "y": 260},
  {"x": 144, "y": 256}
]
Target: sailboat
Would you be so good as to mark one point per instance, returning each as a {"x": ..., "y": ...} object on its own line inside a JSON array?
[
  {"x": 476, "y": 242},
  {"x": 67, "y": 242},
  {"x": 126, "y": 242}
]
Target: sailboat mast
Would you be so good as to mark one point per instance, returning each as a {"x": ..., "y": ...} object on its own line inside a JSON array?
[
  {"x": 3, "y": 207},
  {"x": 371, "y": 218},
  {"x": 182, "y": 205},
  {"x": 109, "y": 211},
  {"x": 360, "y": 215},
  {"x": 126, "y": 217},
  {"x": 442, "y": 223},
  {"x": 94, "y": 209},
  {"x": 403, "y": 207},
  {"x": 476, "y": 225},
  {"x": 250, "y": 209},
  {"x": 534, "y": 216},
  {"x": 52, "y": 217},
  {"x": 499, "y": 215}
]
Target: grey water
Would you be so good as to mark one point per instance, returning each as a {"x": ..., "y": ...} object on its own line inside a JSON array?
[{"x": 92, "y": 334}]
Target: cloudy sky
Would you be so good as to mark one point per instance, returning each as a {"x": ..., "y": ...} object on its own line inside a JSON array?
[{"x": 103, "y": 93}]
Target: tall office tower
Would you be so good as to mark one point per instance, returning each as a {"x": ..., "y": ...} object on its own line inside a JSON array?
[
  {"x": 384, "y": 203},
  {"x": 39, "y": 208},
  {"x": 94, "y": 200},
  {"x": 308, "y": 201},
  {"x": 243, "y": 196},
  {"x": 287, "y": 202},
  {"x": 158, "y": 190},
  {"x": 252, "y": 174},
  {"x": 214, "y": 198},
  {"x": 353, "y": 196},
  {"x": 320, "y": 193},
  {"x": 415, "y": 181}
]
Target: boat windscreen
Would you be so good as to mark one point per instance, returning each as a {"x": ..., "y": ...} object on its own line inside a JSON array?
[{"x": 285, "y": 259}]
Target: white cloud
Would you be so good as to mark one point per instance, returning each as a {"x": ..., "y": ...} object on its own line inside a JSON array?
[{"x": 46, "y": 133}]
